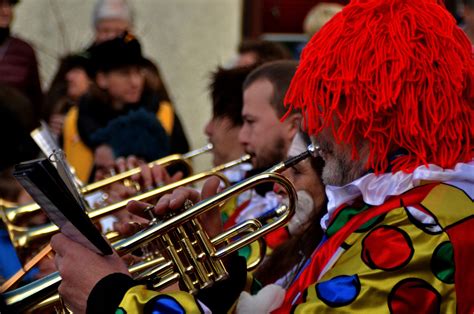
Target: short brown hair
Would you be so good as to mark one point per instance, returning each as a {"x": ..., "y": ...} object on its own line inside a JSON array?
[
  {"x": 226, "y": 93},
  {"x": 279, "y": 74},
  {"x": 264, "y": 50}
]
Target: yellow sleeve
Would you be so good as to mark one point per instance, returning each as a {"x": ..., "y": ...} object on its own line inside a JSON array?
[{"x": 139, "y": 299}]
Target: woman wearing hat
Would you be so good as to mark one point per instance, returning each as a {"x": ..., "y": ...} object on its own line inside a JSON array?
[{"x": 120, "y": 115}]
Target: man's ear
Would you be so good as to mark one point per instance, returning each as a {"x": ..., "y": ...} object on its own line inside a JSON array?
[
  {"x": 101, "y": 80},
  {"x": 293, "y": 124}
]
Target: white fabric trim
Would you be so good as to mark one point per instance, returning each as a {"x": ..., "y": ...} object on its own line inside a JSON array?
[
  {"x": 375, "y": 189},
  {"x": 268, "y": 299},
  {"x": 204, "y": 308}
]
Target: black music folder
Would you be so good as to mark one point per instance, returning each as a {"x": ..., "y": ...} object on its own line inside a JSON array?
[{"x": 61, "y": 202}]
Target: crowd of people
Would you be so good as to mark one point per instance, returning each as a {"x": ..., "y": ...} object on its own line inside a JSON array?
[{"x": 381, "y": 102}]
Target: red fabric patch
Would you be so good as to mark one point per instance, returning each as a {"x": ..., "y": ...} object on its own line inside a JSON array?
[
  {"x": 414, "y": 295},
  {"x": 387, "y": 248},
  {"x": 461, "y": 236},
  {"x": 277, "y": 237}
]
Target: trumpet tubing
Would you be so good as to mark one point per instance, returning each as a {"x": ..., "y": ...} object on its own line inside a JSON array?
[
  {"x": 24, "y": 237},
  {"x": 13, "y": 213}
]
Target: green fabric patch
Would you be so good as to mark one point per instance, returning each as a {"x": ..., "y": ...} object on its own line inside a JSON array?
[
  {"x": 371, "y": 223},
  {"x": 120, "y": 311},
  {"x": 224, "y": 217},
  {"x": 343, "y": 217},
  {"x": 442, "y": 262},
  {"x": 245, "y": 252}
]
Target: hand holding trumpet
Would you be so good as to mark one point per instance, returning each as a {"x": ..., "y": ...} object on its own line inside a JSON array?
[{"x": 76, "y": 285}]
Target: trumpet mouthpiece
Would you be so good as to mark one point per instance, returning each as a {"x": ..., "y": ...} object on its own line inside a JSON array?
[{"x": 313, "y": 150}]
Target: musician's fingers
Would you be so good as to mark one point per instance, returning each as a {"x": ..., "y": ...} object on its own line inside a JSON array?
[
  {"x": 137, "y": 208},
  {"x": 146, "y": 176},
  {"x": 132, "y": 162},
  {"x": 181, "y": 194},
  {"x": 210, "y": 187},
  {"x": 176, "y": 177},
  {"x": 163, "y": 205},
  {"x": 121, "y": 164},
  {"x": 159, "y": 174}
]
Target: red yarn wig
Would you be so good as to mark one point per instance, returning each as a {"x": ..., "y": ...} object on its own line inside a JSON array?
[{"x": 396, "y": 73}]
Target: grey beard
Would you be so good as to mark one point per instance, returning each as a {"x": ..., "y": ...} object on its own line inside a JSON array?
[{"x": 343, "y": 173}]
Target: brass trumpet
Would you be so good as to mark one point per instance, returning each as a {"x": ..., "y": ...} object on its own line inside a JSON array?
[
  {"x": 13, "y": 213},
  {"x": 188, "y": 254},
  {"x": 23, "y": 237}
]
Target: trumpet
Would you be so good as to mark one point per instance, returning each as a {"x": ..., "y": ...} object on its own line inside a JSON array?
[
  {"x": 188, "y": 254},
  {"x": 13, "y": 213},
  {"x": 23, "y": 237}
]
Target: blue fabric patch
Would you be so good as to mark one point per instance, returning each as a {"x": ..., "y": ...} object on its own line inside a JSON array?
[
  {"x": 165, "y": 304},
  {"x": 339, "y": 291}
]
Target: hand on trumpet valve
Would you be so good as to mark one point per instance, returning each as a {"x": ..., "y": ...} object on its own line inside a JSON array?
[
  {"x": 179, "y": 199},
  {"x": 148, "y": 178},
  {"x": 128, "y": 223},
  {"x": 154, "y": 177}
]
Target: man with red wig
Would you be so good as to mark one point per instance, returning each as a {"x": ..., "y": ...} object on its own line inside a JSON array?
[{"x": 386, "y": 89}]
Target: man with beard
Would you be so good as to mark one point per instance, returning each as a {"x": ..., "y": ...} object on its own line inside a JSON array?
[
  {"x": 265, "y": 138},
  {"x": 386, "y": 89}
]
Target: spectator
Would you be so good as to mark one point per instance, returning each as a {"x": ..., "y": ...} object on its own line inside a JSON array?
[
  {"x": 18, "y": 65},
  {"x": 119, "y": 116},
  {"x": 251, "y": 52},
  {"x": 319, "y": 15},
  {"x": 69, "y": 84},
  {"x": 111, "y": 18}
]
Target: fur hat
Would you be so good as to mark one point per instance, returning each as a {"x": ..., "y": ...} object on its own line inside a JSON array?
[
  {"x": 396, "y": 74},
  {"x": 112, "y": 9},
  {"x": 116, "y": 53}
]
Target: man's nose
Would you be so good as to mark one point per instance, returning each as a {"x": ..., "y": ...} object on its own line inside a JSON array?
[{"x": 243, "y": 135}]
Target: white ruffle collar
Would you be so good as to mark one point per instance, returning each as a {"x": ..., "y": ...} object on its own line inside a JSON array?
[{"x": 375, "y": 189}]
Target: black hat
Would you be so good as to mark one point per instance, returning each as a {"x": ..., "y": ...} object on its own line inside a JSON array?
[
  {"x": 76, "y": 60},
  {"x": 120, "y": 52}
]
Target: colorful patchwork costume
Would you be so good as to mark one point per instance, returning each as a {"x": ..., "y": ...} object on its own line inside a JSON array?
[
  {"x": 399, "y": 256},
  {"x": 398, "y": 76}
]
